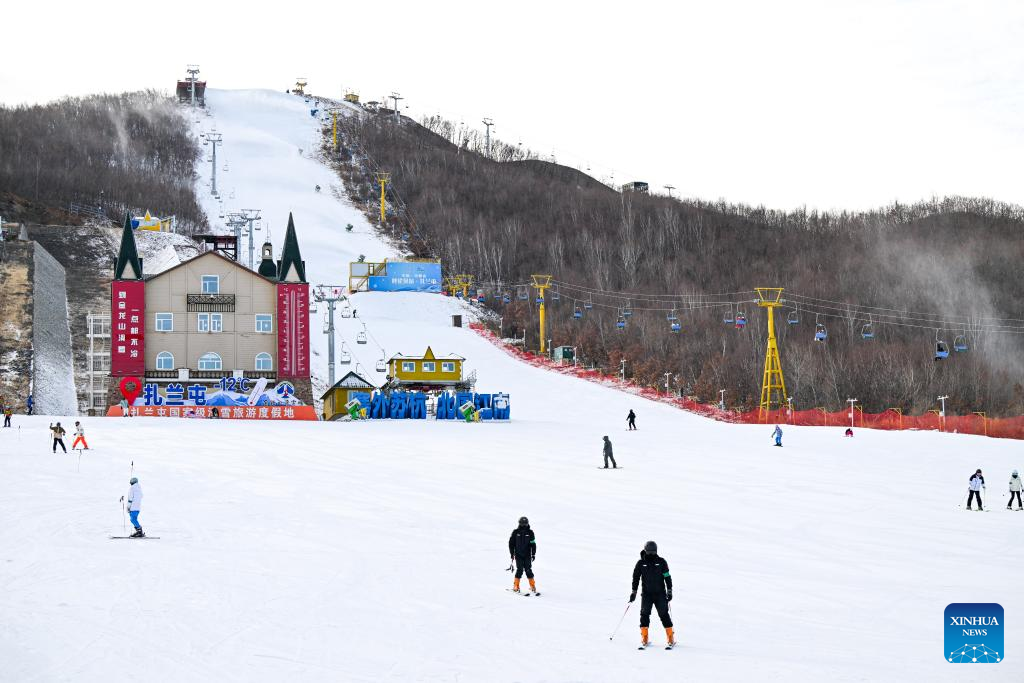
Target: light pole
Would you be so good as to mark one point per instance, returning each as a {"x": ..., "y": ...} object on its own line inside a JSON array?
[
  {"x": 721, "y": 399},
  {"x": 789, "y": 400},
  {"x": 942, "y": 413},
  {"x": 331, "y": 294},
  {"x": 622, "y": 370},
  {"x": 851, "y": 401},
  {"x": 667, "y": 376}
]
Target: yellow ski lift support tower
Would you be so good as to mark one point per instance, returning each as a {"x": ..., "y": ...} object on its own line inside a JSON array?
[
  {"x": 334, "y": 126},
  {"x": 300, "y": 85},
  {"x": 773, "y": 386},
  {"x": 463, "y": 282},
  {"x": 383, "y": 179},
  {"x": 541, "y": 283}
]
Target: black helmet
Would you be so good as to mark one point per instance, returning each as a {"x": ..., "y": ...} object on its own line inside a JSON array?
[
  {"x": 651, "y": 547},
  {"x": 523, "y": 521}
]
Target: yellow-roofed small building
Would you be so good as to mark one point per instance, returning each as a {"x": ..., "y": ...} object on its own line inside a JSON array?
[{"x": 427, "y": 370}]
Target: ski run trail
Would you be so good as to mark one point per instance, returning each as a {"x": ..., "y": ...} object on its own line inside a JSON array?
[{"x": 376, "y": 551}]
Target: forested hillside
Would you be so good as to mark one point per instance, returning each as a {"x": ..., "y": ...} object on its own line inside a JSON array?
[
  {"x": 117, "y": 152},
  {"x": 941, "y": 269}
]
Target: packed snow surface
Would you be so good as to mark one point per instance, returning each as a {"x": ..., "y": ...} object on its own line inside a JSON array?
[{"x": 376, "y": 551}]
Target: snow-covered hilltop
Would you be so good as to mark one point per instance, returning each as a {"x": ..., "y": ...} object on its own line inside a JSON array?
[{"x": 376, "y": 550}]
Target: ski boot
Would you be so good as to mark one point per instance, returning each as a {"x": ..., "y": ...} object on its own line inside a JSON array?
[
  {"x": 138, "y": 533},
  {"x": 644, "y": 642},
  {"x": 515, "y": 586},
  {"x": 671, "y": 638},
  {"x": 533, "y": 586}
]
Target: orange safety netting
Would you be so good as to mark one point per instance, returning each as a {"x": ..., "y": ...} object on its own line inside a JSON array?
[{"x": 1004, "y": 427}]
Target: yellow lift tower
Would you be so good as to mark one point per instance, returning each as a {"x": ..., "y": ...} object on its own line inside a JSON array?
[
  {"x": 541, "y": 283},
  {"x": 383, "y": 179},
  {"x": 464, "y": 281},
  {"x": 773, "y": 386}
]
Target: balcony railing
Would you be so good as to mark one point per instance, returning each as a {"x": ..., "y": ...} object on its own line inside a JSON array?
[
  {"x": 210, "y": 374},
  {"x": 210, "y": 303}
]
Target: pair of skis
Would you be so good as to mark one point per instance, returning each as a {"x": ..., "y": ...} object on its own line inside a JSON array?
[
  {"x": 138, "y": 538},
  {"x": 667, "y": 647},
  {"x": 525, "y": 594}
]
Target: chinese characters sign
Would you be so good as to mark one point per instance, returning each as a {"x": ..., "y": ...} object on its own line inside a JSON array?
[
  {"x": 293, "y": 330},
  {"x": 127, "y": 327}
]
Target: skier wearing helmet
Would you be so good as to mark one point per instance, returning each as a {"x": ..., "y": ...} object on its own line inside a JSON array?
[
  {"x": 134, "y": 506},
  {"x": 652, "y": 572},
  {"x": 975, "y": 484},
  {"x": 522, "y": 546},
  {"x": 1015, "y": 486}
]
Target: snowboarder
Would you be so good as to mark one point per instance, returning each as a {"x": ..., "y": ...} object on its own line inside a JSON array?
[
  {"x": 58, "y": 437},
  {"x": 8, "y": 411},
  {"x": 134, "y": 505},
  {"x": 976, "y": 484},
  {"x": 652, "y": 571},
  {"x": 1015, "y": 486},
  {"x": 79, "y": 436},
  {"x": 631, "y": 419},
  {"x": 522, "y": 546},
  {"x": 29, "y": 403},
  {"x": 608, "y": 454},
  {"x": 777, "y": 435}
]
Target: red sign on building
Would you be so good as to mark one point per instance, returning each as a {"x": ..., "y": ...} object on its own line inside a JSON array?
[
  {"x": 293, "y": 329},
  {"x": 127, "y": 327}
]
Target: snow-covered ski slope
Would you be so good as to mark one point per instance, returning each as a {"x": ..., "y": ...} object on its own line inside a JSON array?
[{"x": 376, "y": 551}]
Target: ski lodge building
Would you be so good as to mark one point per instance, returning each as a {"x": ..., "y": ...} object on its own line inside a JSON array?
[{"x": 210, "y": 318}]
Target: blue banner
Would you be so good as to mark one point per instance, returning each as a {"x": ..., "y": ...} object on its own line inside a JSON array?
[{"x": 408, "y": 277}]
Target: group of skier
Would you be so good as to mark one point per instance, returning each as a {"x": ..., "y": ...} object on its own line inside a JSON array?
[
  {"x": 976, "y": 484},
  {"x": 58, "y": 432},
  {"x": 650, "y": 576}
]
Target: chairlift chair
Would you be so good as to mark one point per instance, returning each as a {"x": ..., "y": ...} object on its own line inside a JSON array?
[
  {"x": 941, "y": 348},
  {"x": 620, "y": 324},
  {"x": 729, "y": 318},
  {"x": 741, "y": 320},
  {"x": 555, "y": 296},
  {"x": 361, "y": 338},
  {"x": 820, "y": 334},
  {"x": 672, "y": 317},
  {"x": 382, "y": 365},
  {"x": 793, "y": 318},
  {"x": 481, "y": 295},
  {"x": 523, "y": 293},
  {"x": 867, "y": 331},
  {"x": 628, "y": 310},
  {"x": 960, "y": 343},
  {"x": 577, "y": 312},
  {"x": 346, "y": 311},
  {"x": 588, "y": 304},
  {"x": 675, "y": 326},
  {"x": 506, "y": 298}
]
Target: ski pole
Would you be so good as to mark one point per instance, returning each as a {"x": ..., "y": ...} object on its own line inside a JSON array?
[
  {"x": 612, "y": 636},
  {"x": 124, "y": 521},
  {"x": 510, "y": 565}
]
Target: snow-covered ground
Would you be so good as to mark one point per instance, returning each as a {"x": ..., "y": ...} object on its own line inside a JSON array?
[{"x": 376, "y": 551}]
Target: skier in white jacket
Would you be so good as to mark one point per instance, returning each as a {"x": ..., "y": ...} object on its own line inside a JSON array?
[
  {"x": 134, "y": 506},
  {"x": 1015, "y": 487},
  {"x": 975, "y": 484}
]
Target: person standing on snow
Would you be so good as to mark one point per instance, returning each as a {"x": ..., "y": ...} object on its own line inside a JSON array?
[
  {"x": 58, "y": 437},
  {"x": 522, "y": 546},
  {"x": 608, "y": 453},
  {"x": 8, "y": 411},
  {"x": 79, "y": 436},
  {"x": 134, "y": 506},
  {"x": 29, "y": 403},
  {"x": 976, "y": 484},
  {"x": 651, "y": 571},
  {"x": 631, "y": 420},
  {"x": 1015, "y": 486},
  {"x": 777, "y": 435}
]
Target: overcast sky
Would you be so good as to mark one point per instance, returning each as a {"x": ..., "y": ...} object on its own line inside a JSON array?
[{"x": 823, "y": 104}]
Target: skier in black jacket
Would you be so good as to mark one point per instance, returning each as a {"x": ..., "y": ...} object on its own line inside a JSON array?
[
  {"x": 522, "y": 546},
  {"x": 652, "y": 571}
]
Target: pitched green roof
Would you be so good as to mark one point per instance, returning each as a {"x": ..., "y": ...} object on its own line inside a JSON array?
[
  {"x": 128, "y": 256},
  {"x": 291, "y": 267}
]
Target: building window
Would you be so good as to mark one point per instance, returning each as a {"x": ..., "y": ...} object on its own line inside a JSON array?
[
  {"x": 211, "y": 284},
  {"x": 428, "y": 366},
  {"x": 264, "y": 361},
  {"x": 164, "y": 361},
  {"x": 209, "y": 361},
  {"x": 264, "y": 322},
  {"x": 164, "y": 322},
  {"x": 447, "y": 367},
  {"x": 408, "y": 366},
  {"x": 211, "y": 322}
]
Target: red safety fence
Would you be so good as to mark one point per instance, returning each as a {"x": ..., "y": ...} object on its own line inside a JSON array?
[{"x": 1003, "y": 427}]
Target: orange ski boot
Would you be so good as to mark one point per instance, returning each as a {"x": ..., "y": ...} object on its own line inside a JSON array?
[
  {"x": 644, "y": 642},
  {"x": 515, "y": 586}
]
